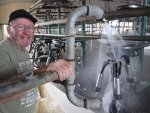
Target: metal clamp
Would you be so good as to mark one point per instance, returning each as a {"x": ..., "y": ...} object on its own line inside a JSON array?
[{"x": 26, "y": 76}]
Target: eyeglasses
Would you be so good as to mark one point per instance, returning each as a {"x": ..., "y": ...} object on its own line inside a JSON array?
[{"x": 22, "y": 27}]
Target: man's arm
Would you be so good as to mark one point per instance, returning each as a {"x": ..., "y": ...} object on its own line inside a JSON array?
[{"x": 62, "y": 67}]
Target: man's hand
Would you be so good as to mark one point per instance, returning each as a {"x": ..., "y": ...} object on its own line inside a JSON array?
[{"x": 62, "y": 67}]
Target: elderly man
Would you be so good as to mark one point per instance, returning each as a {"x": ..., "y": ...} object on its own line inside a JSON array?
[{"x": 15, "y": 61}]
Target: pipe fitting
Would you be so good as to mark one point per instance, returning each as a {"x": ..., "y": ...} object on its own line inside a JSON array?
[
  {"x": 92, "y": 103},
  {"x": 71, "y": 96},
  {"x": 95, "y": 11},
  {"x": 70, "y": 87},
  {"x": 70, "y": 25},
  {"x": 87, "y": 103},
  {"x": 70, "y": 31},
  {"x": 70, "y": 48}
]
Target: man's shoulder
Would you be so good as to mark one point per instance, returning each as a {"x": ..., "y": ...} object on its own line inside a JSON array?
[
  {"x": 4, "y": 48},
  {"x": 4, "y": 45}
]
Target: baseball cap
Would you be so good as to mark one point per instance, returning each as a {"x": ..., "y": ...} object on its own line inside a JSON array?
[{"x": 21, "y": 13}]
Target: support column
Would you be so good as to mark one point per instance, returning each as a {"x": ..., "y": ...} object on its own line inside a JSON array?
[
  {"x": 142, "y": 32},
  {"x": 83, "y": 31},
  {"x": 48, "y": 28},
  {"x": 83, "y": 43},
  {"x": 59, "y": 17}
]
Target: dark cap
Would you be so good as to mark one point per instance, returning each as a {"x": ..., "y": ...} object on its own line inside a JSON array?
[{"x": 21, "y": 13}]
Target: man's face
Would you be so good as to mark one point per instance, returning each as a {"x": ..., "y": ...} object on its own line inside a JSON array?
[{"x": 20, "y": 30}]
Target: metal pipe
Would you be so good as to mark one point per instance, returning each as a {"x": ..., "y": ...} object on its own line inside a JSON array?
[
  {"x": 20, "y": 86},
  {"x": 108, "y": 15},
  {"x": 59, "y": 17},
  {"x": 83, "y": 30},
  {"x": 56, "y": 6},
  {"x": 132, "y": 38},
  {"x": 71, "y": 96},
  {"x": 143, "y": 33},
  {"x": 76, "y": 36},
  {"x": 61, "y": 21},
  {"x": 50, "y": 7},
  {"x": 128, "y": 70},
  {"x": 33, "y": 10},
  {"x": 97, "y": 13},
  {"x": 136, "y": 38},
  {"x": 34, "y": 5},
  {"x": 129, "y": 77},
  {"x": 89, "y": 103},
  {"x": 118, "y": 89},
  {"x": 52, "y": 12},
  {"x": 144, "y": 11}
]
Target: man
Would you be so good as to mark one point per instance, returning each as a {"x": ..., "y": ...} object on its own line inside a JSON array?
[{"x": 15, "y": 61}]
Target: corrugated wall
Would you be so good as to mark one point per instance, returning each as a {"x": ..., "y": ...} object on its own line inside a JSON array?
[{"x": 5, "y": 10}]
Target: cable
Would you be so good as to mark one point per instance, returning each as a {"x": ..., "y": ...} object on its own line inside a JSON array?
[
  {"x": 38, "y": 30},
  {"x": 87, "y": 46},
  {"x": 108, "y": 6}
]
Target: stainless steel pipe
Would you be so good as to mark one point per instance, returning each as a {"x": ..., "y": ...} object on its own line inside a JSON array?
[
  {"x": 91, "y": 11},
  {"x": 17, "y": 87},
  {"x": 144, "y": 11},
  {"x": 62, "y": 21},
  {"x": 131, "y": 38},
  {"x": 34, "y": 5}
]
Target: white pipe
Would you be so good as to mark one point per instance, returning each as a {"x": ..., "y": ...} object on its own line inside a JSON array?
[
  {"x": 34, "y": 5},
  {"x": 20, "y": 86},
  {"x": 91, "y": 11},
  {"x": 61, "y": 21},
  {"x": 76, "y": 36}
]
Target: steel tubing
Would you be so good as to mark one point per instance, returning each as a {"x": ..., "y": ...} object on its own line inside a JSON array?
[
  {"x": 132, "y": 38},
  {"x": 70, "y": 31},
  {"x": 144, "y": 11},
  {"x": 34, "y": 5},
  {"x": 136, "y": 38},
  {"x": 17, "y": 87},
  {"x": 77, "y": 36},
  {"x": 62, "y": 21}
]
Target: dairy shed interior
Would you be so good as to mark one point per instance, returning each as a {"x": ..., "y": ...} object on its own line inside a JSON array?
[{"x": 106, "y": 42}]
